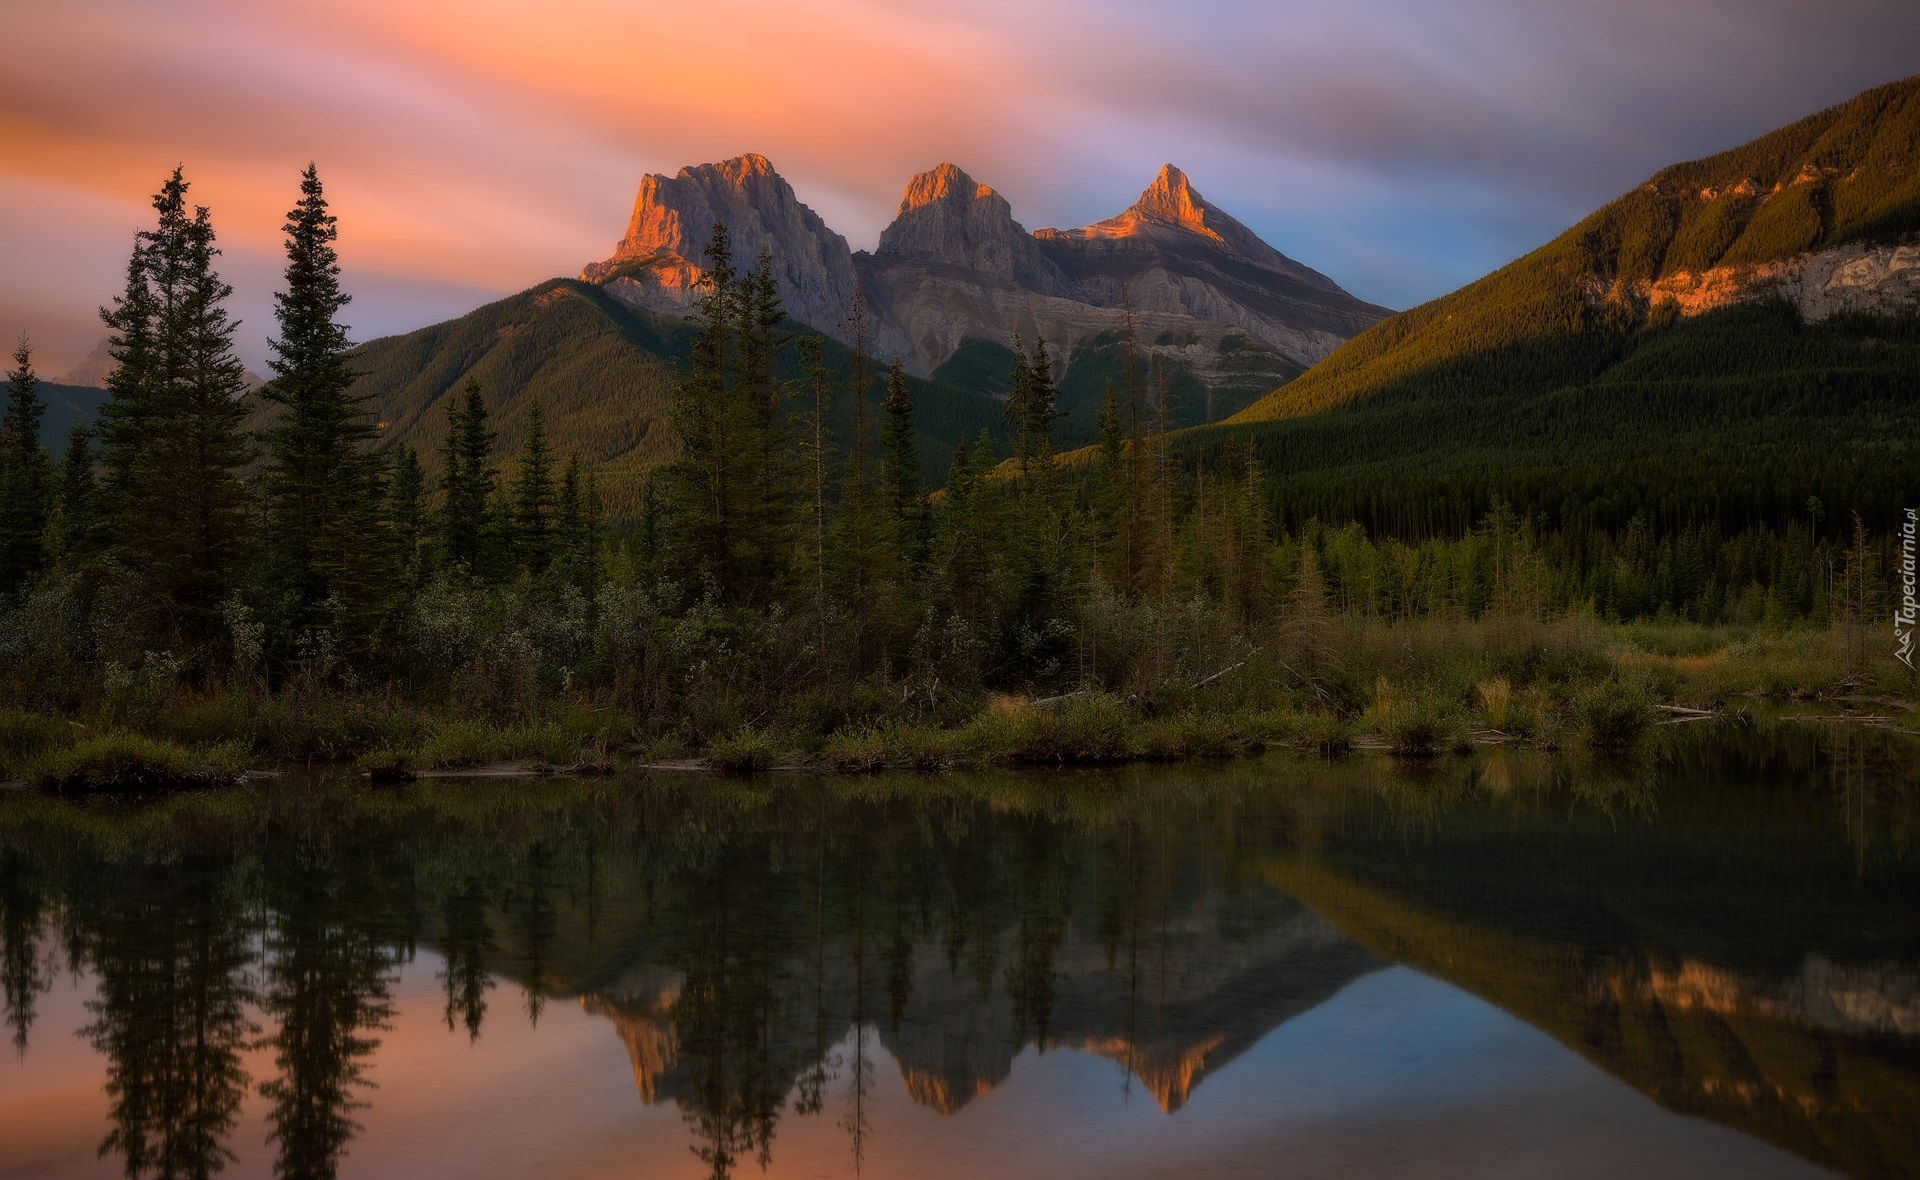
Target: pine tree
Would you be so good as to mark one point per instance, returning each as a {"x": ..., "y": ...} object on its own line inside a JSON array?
[
  {"x": 577, "y": 529},
  {"x": 77, "y": 493},
  {"x": 1109, "y": 505},
  {"x": 26, "y": 479},
  {"x": 817, "y": 442},
  {"x": 173, "y": 448},
  {"x": 900, "y": 461},
  {"x": 406, "y": 516},
  {"x": 323, "y": 482},
  {"x": 126, "y": 421},
  {"x": 698, "y": 486},
  {"x": 533, "y": 505},
  {"x": 466, "y": 483}
]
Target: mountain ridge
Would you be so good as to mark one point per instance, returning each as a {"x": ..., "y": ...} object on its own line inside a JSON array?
[{"x": 955, "y": 269}]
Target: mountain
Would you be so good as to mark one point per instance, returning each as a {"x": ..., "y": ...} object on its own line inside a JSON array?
[
  {"x": 1175, "y": 253},
  {"x": 658, "y": 263},
  {"x": 603, "y": 372},
  {"x": 68, "y": 405},
  {"x": 1745, "y": 323},
  {"x": 955, "y": 279},
  {"x": 94, "y": 369}
]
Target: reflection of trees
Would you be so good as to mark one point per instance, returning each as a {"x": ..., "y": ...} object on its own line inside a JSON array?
[
  {"x": 331, "y": 953},
  {"x": 467, "y": 941},
  {"x": 23, "y": 978},
  {"x": 735, "y": 942},
  {"x": 748, "y": 931},
  {"x": 169, "y": 945}
]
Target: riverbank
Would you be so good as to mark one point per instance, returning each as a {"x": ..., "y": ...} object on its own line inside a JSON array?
[{"x": 1414, "y": 691}]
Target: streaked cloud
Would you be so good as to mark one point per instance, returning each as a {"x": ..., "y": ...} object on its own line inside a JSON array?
[{"x": 473, "y": 148}]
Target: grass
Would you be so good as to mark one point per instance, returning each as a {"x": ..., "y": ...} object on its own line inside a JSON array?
[
  {"x": 1416, "y": 689},
  {"x": 120, "y": 761}
]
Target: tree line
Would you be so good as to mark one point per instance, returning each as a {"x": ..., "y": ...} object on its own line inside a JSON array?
[
  {"x": 169, "y": 527},
  {"x": 787, "y": 568}
]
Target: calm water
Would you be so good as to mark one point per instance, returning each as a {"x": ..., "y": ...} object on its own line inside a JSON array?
[{"x": 1705, "y": 963}]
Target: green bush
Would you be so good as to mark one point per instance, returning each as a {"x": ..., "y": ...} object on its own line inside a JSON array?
[
  {"x": 119, "y": 761},
  {"x": 26, "y": 736},
  {"x": 1419, "y": 725},
  {"x": 745, "y": 751},
  {"x": 1613, "y": 714}
]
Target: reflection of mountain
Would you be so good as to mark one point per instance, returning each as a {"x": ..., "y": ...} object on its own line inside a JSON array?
[
  {"x": 1804, "y": 1061},
  {"x": 1169, "y": 1013}
]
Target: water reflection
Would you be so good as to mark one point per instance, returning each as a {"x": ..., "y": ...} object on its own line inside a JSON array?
[{"x": 1729, "y": 929}]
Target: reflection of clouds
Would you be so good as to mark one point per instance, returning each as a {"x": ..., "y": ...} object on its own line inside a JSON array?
[{"x": 493, "y": 144}]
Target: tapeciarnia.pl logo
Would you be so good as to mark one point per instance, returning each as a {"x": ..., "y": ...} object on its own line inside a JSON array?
[{"x": 1905, "y": 614}]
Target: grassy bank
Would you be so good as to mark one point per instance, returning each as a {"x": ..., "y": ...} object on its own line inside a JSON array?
[{"x": 1417, "y": 689}]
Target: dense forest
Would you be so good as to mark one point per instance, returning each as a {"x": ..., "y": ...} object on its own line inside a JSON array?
[{"x": 787, "y": 575}]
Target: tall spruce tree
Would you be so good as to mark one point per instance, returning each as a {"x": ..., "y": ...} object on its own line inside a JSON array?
[
  {"x": 77, "y": 494},
  {"x": 406, "y": 516},
  {"x": 900, "y": 459},
  {"x": 26, "y": 478},
  {"x": 533, "y": 496},
  {"x": 699, "y": 485},
  {"x": 466, "y": 483},
  {"x": 727, "y": 492},
  {"x": 323, "y": 481},
  {"x": 173, "y": 448},
  {"x": 577, "y": 529}
]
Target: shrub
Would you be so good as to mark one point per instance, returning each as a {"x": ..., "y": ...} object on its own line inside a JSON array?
[
  {"x": 1418, "y": 725},
  {"x": 1329, "y": 735},
  {"x": 120, "y": 761},
  {"x": 1495, "y": 698},
  {"x": 1613, "y": 714},
  {"x": 26, "y": 736},
  {"x": 745, "y": 751}
]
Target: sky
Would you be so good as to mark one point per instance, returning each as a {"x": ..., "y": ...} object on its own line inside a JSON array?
[{"x": 474, "y": 148}]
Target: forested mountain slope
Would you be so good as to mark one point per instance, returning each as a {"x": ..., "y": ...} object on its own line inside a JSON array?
[{"x": 1712, "y": 349}]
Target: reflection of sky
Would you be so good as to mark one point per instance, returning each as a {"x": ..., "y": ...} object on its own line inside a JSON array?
[
  {"x": 1398, "y": 1074},
  {"x": 474, "y": 147}
]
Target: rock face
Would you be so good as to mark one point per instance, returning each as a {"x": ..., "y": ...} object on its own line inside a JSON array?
[
  {"x": 1173, "y": 252},
  {"x": 659, "y": 263},
  {"x": 954, "y": 269},
  {"x": 946, "y": 219},
  {"x": 1857, "y": 277}
]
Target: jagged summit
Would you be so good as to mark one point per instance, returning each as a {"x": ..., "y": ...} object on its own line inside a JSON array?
[
  {"x": 946, "y": 182},
  {"x": 955, "y": 267},
  {"x": 949, "y": 219},
  {"x": 659, "y": 263},
  {"x": 1171, "y": 199}
]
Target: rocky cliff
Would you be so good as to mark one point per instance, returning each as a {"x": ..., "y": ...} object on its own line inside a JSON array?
[
  {"x": 660, "y": 261},
  {"x": 954, "y": 271}
]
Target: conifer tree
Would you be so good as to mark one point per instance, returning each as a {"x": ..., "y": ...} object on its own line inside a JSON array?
[
  {"x": 322, "y": 479},
  {"x": 816, "y": 442},
  {"x": 124, "y": 426},
  {"x": 26, "y": 479},
  {"x": 466, "y": 483},
  {"x": 77, "y": 493},
  {"x": 173, "y": 449},
  {"x": 900, "y": 461},
  {"x": 533, "y": 503},
  {"x": 699, "y": 486},
  {"x": 406, "y": 515},
  {"x": 1109, "y": 503},
  {"x": 577, "y": 529}
]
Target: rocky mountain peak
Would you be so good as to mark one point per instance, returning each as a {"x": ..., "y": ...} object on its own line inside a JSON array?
[
  {"x": 947, "y": 218},
  {"x": 660, "y": 261},
  {"x": 945, "y": 183},
  {"x": 1172, "y": 199}
]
